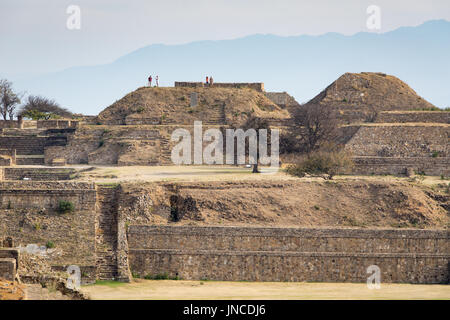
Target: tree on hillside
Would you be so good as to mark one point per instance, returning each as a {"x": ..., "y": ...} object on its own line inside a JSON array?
[
  {"x": 314, "y": 125},
  {"x": 8, "y": 99},
  {"x": 37, "y": 108}
]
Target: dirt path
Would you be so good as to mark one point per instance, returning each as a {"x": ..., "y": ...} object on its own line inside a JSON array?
[
  {"x": 11, "y": 291},
  {"x": 167, "y": 290}
]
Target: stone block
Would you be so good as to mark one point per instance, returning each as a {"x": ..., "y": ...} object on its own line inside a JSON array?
[{"x": 8, "y": 269}]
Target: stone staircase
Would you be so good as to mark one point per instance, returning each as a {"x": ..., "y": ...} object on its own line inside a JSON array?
[
  {"x": 29, "y": 148},
  {"x": 30, "y": 160},
  {"x": 106, "y": 233},
  {"x": 31, "y": 143},
  {"x": 166, "y": 152},
  {"x": 26, "y": 145},
  {"x": 216, "y": 115}
]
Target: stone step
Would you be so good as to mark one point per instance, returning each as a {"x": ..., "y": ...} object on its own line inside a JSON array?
[
  {"x": 30, "y": 161},
  {"x": 106, "y": 233},
  {"x": 38, "y": 174}
]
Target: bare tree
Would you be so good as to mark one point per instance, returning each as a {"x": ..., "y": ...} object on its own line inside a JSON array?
[
  {"x": 42, "y": 108},
  {"x": 314, "y": 125},
  {"x": 257, "y": 124},
  {"x": 8, "y": 99}
]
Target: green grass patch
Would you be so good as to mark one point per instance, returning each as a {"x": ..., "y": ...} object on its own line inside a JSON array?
[
  {"x": 109, "y": 184},
  {"x": 109, "y": 283}
]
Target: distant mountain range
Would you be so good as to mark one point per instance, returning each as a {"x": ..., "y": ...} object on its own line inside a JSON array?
[{"x": 301, "y": 65}]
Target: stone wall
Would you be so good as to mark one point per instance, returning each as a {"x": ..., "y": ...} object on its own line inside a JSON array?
[
  {"x": 9, "y": 124},
  {"x": 288, "y": 254},
  {"x": 9, "y": 263},
  {"x": 46, "y": 195},
  {"x": 10, "y": 253},
  {"x": 401, "y": 141},
  {"x": 71, "y": 234},
  {"x": 8, "y": 269},
  {"x": 399, "y": 166},
  {"x": 75, "y": 152},
  {"x": 57, "y": 124},
  {"x": 95, "y": 237},
  {"x": 28, "y": 215},
  {"x": 258, "y": 86},
  {"x": 16, "y": 124},
  {"x": 413, "y": 116},
  {"x": 282, "y": 99},
  {"x": 37, "y": 174},
  {"x": 184, "y": 84},
  {"x": 92, "y": 236}
]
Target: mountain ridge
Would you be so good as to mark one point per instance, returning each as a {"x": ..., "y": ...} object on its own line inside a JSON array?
[{"x": 300, "y": 65}]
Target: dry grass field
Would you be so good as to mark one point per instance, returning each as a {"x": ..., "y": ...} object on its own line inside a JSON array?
[{"x": 220, "y": 290}]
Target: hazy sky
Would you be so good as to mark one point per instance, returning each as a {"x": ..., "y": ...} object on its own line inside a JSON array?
[{"x": 35, "y": 39}]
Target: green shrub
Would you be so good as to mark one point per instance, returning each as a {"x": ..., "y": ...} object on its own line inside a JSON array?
[
  {"x": 161, "y": 276},
  {"x": 9, "y": 205},
  {"x": 39, "y": 115},
  {"x": 329, "y": 163},
  {"x": 65, "y": 207},
  {"x": 435, "y": 154},
  {"x": 50, "y": 244}
]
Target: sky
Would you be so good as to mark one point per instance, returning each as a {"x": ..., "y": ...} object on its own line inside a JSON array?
[{"x": 35, "y": 38}]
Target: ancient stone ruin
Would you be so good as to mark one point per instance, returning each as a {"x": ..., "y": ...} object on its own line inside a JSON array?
[{"x": 115, "y": 230}]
